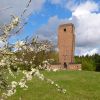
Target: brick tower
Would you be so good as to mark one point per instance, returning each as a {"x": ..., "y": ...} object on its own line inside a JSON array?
[{"x": 66, "y": 43}]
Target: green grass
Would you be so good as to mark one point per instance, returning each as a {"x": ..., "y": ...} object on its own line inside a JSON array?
[{"x": 80, "y": 85}]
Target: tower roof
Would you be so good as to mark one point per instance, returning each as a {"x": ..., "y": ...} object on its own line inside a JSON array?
[{"x": 68, "y": 24}]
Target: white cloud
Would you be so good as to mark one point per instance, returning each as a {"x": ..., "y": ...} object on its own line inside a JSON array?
[
  {"x": 87, "y": 24},
  {"x": 70, "y": 4},
  {"x": 2, "y": 43},
  {"x": 92, "y": 52},
  {"x": 86, "y": 51},
  {"x": 17, "y": 8},
  {"x": 85, "y": 8},
  {"x": 49, "y": 30},
  {"x": 87, "y": 27},
  {"x": 66, "y": 4}
]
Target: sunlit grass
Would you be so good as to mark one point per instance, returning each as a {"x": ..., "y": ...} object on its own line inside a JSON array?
[{"x": 80, "y": 85}]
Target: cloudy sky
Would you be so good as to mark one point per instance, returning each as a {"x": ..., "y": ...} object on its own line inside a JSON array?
[{"x": 44, "y": 17}]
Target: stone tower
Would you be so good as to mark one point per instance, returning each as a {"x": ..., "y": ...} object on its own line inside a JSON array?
[{"x": 66, "y": 43}]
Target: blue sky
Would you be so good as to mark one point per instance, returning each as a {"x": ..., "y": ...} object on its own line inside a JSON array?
[
  {"x": 37, "y": 19},
  {"x": 47, "y": 15}
]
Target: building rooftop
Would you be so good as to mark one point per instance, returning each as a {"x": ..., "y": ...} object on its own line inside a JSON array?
[{"x": 68, "y": 24}]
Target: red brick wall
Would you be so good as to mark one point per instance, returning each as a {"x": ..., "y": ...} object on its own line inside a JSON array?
[
  {"x": 66, "y": 43},
  {"x": 69, "y": 67},
  {"x": 74, "y": 67}
]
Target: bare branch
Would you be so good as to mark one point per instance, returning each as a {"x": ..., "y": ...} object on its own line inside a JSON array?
[
  {"x": 26, "y": 7},
  {"x": 5, "y": 9}
]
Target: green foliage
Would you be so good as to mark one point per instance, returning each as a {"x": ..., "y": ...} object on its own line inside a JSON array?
[
  {"x": 39, "y": 57},
  {"x": 54, "y": 55},
  {"x": 3, "y": 82},
  {"x": 90, "y": 63},
  {"x": 96, "y": 58}
]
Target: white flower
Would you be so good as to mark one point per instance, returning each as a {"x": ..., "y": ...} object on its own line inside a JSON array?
[
  {"x": 30, "y": 62},
  {"x": 10, "y": 92},
  {"x": 33, "y": 70},
  {"x": 29, "y": 76},
  {"x": 15, "y": 20},
  {"x": 2, "y": 64},
  {"x": 26, "y": 62},
  {"x": 41, "y": 77},
  {"x": 64, "y": 91},
  {"x": 24, "y": 47},
  {"x": 55, "y": 70},
  {"x": 56, "y": 85},
  {"x": 31, "y": 49},
  {"x": 37, "y": 73},
  {"x": 19, "y": 44},
  {"x": 52, "y": 82},
  {"x": 14, "y": 84},
  {"x": 22, "y": 84},
  {"x": 16, "y": 58},
  {"x": 21, "y": 59}
]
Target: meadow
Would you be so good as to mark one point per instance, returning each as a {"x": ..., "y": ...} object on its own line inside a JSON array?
[{"x": 80, "y": 85}]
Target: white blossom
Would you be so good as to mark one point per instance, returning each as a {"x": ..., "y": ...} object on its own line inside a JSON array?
[
  {"x": 10, "y": 59},
  {"x": 55, "y": 70},
  {"x": 19, "y": 44},
  {"x": 14, "y": 84}
]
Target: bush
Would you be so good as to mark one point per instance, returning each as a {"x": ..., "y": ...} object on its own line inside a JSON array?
[
  {"x": 87, "y": 62},
  {"x": 98, "y": 67}
]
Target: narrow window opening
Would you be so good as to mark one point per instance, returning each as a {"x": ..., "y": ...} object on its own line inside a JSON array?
[{"x": 64, "y": 29}]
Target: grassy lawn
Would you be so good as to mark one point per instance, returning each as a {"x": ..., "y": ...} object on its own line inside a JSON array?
[{"x": 80, "y": 85}]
